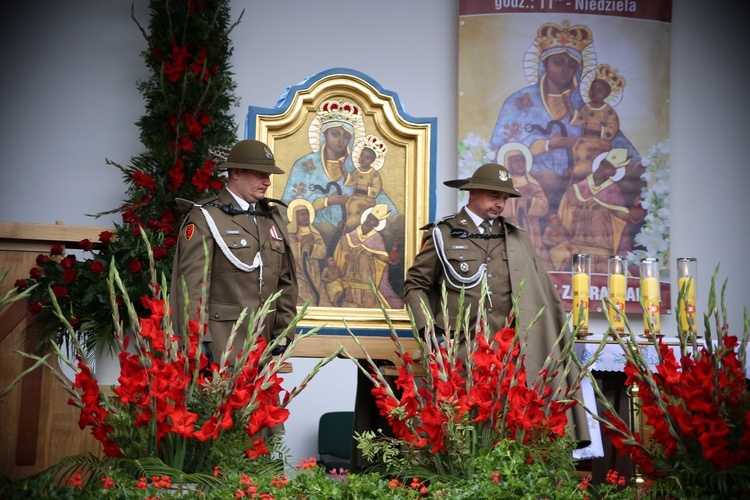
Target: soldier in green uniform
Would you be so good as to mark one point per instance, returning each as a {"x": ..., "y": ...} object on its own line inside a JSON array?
[
  {"x": 249, "y": 257},
  {"x": 461, "y": 249}
]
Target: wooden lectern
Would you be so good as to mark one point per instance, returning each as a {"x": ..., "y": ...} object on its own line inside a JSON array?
[{"x": 37, "y": 426}]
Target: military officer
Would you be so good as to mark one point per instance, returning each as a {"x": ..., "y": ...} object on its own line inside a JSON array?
[
  {"x": 249, "y": 257},
  {"x": 461, "y": 249}
]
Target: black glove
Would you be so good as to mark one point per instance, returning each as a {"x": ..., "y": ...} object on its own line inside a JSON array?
[
  {"x": 281, "y": 348},
  {"x": 206, "y": 351}
]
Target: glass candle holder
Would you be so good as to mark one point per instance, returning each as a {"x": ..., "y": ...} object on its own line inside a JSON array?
[
  {"x": 650, "y": 295},
  {"x": 687, "y": 273},
  {"x": 581, "y": 277},
  {"x": 617, "y": 286}
]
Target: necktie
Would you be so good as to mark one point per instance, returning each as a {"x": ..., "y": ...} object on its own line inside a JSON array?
[{"x": 486, "y": 228}]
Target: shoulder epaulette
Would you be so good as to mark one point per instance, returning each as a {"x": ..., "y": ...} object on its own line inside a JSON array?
[
  {"x": 435, "y": 223},
  {"x": 275, "y": 201}
]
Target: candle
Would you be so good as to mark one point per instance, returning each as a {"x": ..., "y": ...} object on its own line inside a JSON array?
[
  {"x": 581, "y": 301},
  {"x": 650, "y": 296},
  {"x": 686, "y": 310},
  {"x": 690, "y": 298},
  {"x": 581, "y": 279},
  {"x": 617, "y": 287}
]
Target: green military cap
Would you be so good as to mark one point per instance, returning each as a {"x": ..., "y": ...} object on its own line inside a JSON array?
[
  {"x": 251, "y": 155},
  {"x": 491, "y": 177}
]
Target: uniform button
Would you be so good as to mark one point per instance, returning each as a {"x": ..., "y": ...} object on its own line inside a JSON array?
[
  {"x": 216, "y": 315},
  {"x": 489, "y": 276},
  {"x": 489, "y": 259},
  {"x": 490, "y": 292},
  {"x": 489, "y": 310},
  {"x": 262, "y": 283}
]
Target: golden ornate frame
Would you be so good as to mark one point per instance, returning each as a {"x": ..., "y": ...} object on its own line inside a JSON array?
[{"x": 407, "y": 173}]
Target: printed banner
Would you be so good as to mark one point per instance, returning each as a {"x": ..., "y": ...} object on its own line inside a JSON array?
[{"x": 573, "y": 98}]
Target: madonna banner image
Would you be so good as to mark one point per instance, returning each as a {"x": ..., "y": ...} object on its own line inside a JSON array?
[{"x": 573, "y": 98}]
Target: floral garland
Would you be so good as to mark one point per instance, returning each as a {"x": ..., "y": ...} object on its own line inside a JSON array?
[
  {"x": 188, "y": 97},
  {"x": 654, "y": 236}
]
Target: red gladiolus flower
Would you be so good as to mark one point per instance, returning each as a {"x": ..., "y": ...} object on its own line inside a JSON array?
[
  {"x": 175, "y": 68},
  {"x": 144, "y": 180},
  {"x": 258, "y": 449},
  {"x": 21, "y": 284},
  {"x": 97, "y": 267},
  {"x": 35, "y": 273},
  {"x": 183, "y": 421},
  {"x": 41, "y": 259},
  {"x": 60, "y": 291},
  {"x": 135, "y": 266},
  {"x": 176, "y": 175}
]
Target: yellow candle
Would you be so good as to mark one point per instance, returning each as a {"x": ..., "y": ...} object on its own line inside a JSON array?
[
  {"x": 581, "y": 301},
  {"x": 650, "y": 296},
  {"x": 690, "y": 297},
  {"x": 617, "y": 287}
]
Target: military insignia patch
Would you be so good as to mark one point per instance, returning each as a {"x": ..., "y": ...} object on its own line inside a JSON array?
[
  {"x": 464, "y": 266},
  {"x": 189, "y": 231}
]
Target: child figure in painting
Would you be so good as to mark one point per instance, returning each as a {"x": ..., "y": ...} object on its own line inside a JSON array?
[
  {"x": 332, "y": 278},
  {"x": 368, "y": 157},
  {"x": 598, "y": 119}
]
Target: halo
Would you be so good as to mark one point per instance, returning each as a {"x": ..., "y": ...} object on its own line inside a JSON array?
[
  {"x": 358, "y": 147},
  {"x": 296, "y": 203},
  {"x": 613, "y": 99},
  {"x": 619, "y": 172},
  {"x": 315, "y": 132},
  {"x": 534, "y": 55},
  {"x": 514, "y": 146},
  {"x": 381, "y": 224}
]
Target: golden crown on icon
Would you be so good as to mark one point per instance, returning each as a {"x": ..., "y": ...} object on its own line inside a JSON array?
[
  {"x": 376, "y": 144},
  {"x": 339, "y": 111},
  {"x": 551, "y": 35},
  {"x": 608, "y": 74}
]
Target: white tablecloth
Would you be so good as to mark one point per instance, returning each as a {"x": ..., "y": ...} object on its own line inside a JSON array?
[{"x": 612, "y": 357}]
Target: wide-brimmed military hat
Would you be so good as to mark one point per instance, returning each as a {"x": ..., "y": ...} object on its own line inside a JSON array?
[
  {"x": 491, "y": 177},
  {"x": 251, "y": 155}
]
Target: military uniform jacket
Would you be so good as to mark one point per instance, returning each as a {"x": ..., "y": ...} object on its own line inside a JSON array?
[
  {"x": 509, "y": 260},
  {"x": 230, "y": 289}
]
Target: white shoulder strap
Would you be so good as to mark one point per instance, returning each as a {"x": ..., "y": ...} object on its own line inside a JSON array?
[
  {"x": 448, "y": 271},
  {"x": 257, "y": 261}
]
